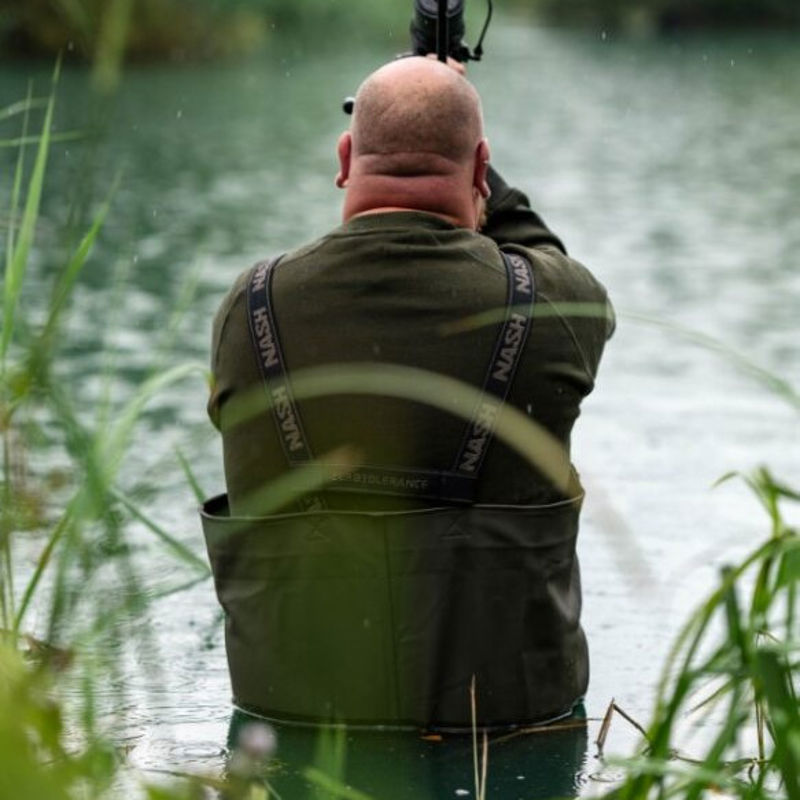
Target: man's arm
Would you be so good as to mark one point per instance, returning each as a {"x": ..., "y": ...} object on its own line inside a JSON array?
[
  {"x": 561, "y": 281},
  {"x": 511, "y": 220},
  {"x": 227, "y": 348}
]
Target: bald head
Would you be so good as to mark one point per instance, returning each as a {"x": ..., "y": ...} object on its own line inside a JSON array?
[
  {"x": 415, "y": 143},
  {"x": 417, "y": 106}
]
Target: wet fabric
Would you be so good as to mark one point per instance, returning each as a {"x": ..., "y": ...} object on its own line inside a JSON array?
[{"x": 384, "y": 618}]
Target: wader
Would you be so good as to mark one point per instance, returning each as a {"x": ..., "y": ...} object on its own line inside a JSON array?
[{"x": 384, "y": 618}]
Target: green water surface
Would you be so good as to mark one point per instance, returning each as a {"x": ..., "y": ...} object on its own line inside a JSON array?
[{"x": 671, "y": 167}]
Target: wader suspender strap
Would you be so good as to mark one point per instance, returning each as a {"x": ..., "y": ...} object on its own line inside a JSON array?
[
  {"x": 457, "y": 485},
  {"x": 264, "y": 335},
  {"x": 503, "y": 366}
]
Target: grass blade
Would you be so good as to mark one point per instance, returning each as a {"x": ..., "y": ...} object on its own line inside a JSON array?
[
  {"x": 22, "y": 107},
  {"x": 66, "y": 280},
  {"x": 10, "y": 237},
  {"x": 769, "y": 379},
  {"x": 332, "y": 788},
  {"x": 191, "y": 479},
  {"x": 63, "y": 136},
  {"x": 180, "y": 550},
  {"x": 280, "y": 493},
  {"x": 530, "y": 439},
  {"x": 42, "y": 563},
  {"x": 16, "y": 267},
  {"x": 116, "y": 442},
  {"x": 775, "y": 680}
]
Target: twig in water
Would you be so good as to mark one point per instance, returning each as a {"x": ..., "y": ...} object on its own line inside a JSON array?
[
  {"x": 484, "y": 767},
  {"x": 554, "y": 727},
  {"x": 606, "y": 725},
  {"x": 473, "y": 705},
  {"x": 632, "y": 721},
  {"x": 482, "y": 771}
]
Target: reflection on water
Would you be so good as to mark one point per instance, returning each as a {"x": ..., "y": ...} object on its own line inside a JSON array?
[
  {"x": 670, "y": 167},
  {"x": 541, "y": 763}
]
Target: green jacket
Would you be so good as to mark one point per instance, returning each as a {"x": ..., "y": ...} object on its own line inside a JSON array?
[
  {"x": 393, "y": 288},
  {"x": 381, "y": 609}
]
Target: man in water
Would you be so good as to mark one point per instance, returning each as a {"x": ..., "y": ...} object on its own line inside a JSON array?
[{"x": 438, "y": 267}]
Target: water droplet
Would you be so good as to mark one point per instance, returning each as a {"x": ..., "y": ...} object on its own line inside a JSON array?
[
  {"x": 70, "y": 45},
  {"x": 462, "y": 792},
  {"x": 604, "y": 36},
  {"x": 257, "y": 740},
  {"x": 179, "y": 113},
  {"x": 733, "y": 62},
  {"x": 155, "y": 212}
]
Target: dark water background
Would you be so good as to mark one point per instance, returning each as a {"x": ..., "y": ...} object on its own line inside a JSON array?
[{"x": 670, "y": 167}]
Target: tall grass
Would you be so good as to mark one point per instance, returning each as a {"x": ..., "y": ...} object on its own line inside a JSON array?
[
  {"x": 738, "y": 657},
  {"x": 84, "y": 583}
]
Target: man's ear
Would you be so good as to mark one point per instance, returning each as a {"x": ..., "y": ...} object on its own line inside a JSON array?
[
  {"x": 479, "y": 180},
  {"x": 344, "y": 149}
]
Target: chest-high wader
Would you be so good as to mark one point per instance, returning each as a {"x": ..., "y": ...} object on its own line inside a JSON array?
[{"x": 383, "y": 618}]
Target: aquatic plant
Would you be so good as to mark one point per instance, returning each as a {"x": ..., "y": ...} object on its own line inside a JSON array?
[
  {"x": 740, "y": 659},
  {"x": 83, "y": 582}
]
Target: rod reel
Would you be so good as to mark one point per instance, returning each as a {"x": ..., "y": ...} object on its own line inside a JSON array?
[{"x": 438, "y": 27}]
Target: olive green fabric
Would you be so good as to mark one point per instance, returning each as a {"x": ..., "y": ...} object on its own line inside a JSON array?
[
  {"x": 384, "y": 288},
  {"x": 379, "y": 610},
  {"x": 383, "y": 618}
]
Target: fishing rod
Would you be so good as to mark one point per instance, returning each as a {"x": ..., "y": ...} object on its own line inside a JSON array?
[{"x": 438, "y": 27}]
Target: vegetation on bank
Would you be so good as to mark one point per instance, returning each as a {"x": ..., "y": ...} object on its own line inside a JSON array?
[
  {"x": 187, "y": 29},
  {"x": 201, "y": 29}
]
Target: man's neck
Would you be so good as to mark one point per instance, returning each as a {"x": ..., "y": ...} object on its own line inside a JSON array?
[{"x": 441, "y": 196}]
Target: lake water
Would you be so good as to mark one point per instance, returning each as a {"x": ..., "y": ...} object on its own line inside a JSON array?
[{"x": 670, "y": 167}]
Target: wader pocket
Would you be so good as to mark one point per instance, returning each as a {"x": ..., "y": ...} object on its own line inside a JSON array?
[{"x": 383, "y": 618}]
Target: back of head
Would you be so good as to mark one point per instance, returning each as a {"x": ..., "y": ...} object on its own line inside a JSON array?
[{"x": 416, "y": 115}]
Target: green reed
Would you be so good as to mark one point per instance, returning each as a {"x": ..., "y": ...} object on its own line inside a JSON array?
[
  {"x": 738, "y": 656},
  {"x": 84, "y": 583}
]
